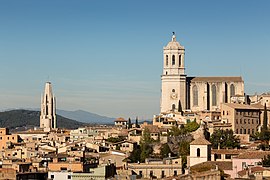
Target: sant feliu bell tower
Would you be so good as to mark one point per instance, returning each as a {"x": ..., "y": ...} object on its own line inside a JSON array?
[
  {"x": 48, "y": 109},
  {"x": 173, "y": 78}
]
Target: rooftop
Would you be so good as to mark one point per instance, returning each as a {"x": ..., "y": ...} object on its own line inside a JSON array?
[
  {"x": 218, "y": 79},
  {"x": 200, "y": 141}
]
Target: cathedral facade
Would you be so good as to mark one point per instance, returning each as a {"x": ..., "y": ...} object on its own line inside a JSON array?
[{"x": 193, "y": 93}]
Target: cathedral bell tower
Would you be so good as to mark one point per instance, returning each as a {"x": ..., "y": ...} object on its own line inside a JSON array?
[
  {"x": 48, "y": 109},
  {"x": 173, "y": 78}
]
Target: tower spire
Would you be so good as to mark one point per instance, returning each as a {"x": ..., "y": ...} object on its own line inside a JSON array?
[{"x": 173, "y": 37}]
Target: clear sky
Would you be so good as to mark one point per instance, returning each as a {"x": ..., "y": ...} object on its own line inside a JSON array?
[{"x": 106, "y": 56}]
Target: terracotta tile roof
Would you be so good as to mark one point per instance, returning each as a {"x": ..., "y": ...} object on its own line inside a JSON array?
[
  {"x": 253, "y": 155},
  {"x": 223, "y": 165},
  {"x": 200, "y": 141},
  {"x": 228, "y": 151},
  {"x": 257, "y": 169},
  {"x": 242, "y": 173},
  {"x": 152, "y": 128},
  {"x": 120, "y": 120},
  {"x": 240, "y": 106},
  {"x": 218, "y": 79}
]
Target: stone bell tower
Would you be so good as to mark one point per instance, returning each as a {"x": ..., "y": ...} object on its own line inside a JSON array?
[
  {"x": 173, "y": 78},
  {"x": 48, "y": 109}
]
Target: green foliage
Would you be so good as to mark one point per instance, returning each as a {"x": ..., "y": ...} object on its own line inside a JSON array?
[
  {"x": 115, "y": 139},
  {"x": 192, "y": 126},
  {"x": 137, "y": 123},
  {"x": 146, "y": 147},
  {"x": 224, "y": 139},
  {"x": 165, "y": 151},
  {"x": 266, "y": 161},
  {"x": 135, "y": 155},
  {"x": 129, "y": 123},
  {"x": 264, "y": 135},
  {"x": 180, "y": 108},
  {"x": 175, "y": 131},
  {"x": 265, "y": 119},
  {"x": 184, "y": 150},
  {"x": 146, "y": 151}
]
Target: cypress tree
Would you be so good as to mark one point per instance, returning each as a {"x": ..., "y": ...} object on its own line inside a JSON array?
[
  {"x": 137, "y": 123},
  {"x": 265, "y": 119},
  {"x": 180, "y": 108},
  {"x": 129, "y": 123}
]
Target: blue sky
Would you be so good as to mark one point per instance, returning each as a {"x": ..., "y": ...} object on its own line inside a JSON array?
[{"x": 106, "y": 56}]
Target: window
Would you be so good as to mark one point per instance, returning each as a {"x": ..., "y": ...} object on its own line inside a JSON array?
[
  {"x": 195, "y": 95},
  {"x": 175, "y": 173},
  {"x": 252, "y": 121},
  {"x": 69, "y": 177},
  {"x": 167, "y": 60},
  {"x": 236, "y": 121},
  {"x": 228, "y": 156},
  {"x": 180, "y": 60},
  {"x": 248, "y": 131},
  {"x": 173, "y": 59},
  {"x": 240, "y": 131},
  {"x": 173, "y": 90},
  {"x": 151, "y": 174},
  {"x": 52, "y": 176},
  {"x": 162, "y": 174},
  {"x": 173, "y": 107},
  {"x": 198, "y": 152},
  {"x": 232, "y": 90},
  {"x": 63, "y": 168},
  {"x": 236, "y": 131},
  {"x": 214, "y": 95},
  {"x": 245, "y": 131},
  {"x": 140, "y": 173}
]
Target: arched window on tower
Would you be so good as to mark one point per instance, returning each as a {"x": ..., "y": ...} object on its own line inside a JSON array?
[
  {"x": 173, "y": 107},
  {"x": 198, "y": 152},
  {"x": 232, "y": 90},
  {"x": 180, "y": 60},
  {"x": 167, "y": 60},
  {"x": 195, "y": 95},
  {"x": 214, "y": 95},
  {"x": 173, "y": 59}
]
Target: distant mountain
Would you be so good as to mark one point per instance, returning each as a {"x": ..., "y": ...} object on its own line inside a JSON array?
[
  {"x": 86, "y": 117},
  {"x": 27, "y": 118}
]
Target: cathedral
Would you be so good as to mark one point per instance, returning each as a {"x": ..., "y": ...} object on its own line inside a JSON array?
[{"x": 193, "y": 93}]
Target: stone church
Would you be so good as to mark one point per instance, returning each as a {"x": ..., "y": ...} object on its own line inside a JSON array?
[{"x": 194, "y": 93}]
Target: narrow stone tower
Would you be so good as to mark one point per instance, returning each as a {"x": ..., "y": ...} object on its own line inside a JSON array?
[
  {"x": 173, "y": 78},
  {"x": 48, "y": 109}
]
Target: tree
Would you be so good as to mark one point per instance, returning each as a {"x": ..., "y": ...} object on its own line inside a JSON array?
[
  {"x": 180, "y": 108},
  {"x": 192, "y": 126},
  {"x": 224, "y": 139},
  {"x": 165, "y": 150},
  {"x": 137, "y": 123},
  {"x": 266, "y": 161},
  {"x": 184, "y": 150},
  {"x": 129, "y": 123},
  {"x": 146, "y": 147},
  {"x": 175, "y": 131},
  {"x": 135, "y": 155},
  {"x": 265, "y": 120}
]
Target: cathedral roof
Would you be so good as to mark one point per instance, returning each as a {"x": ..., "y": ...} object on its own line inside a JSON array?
[
  {"x": 200, "y": 141},
  {"x": 174, "y": 44},
  {"x": 241, "y": 106},
  {"x": 218, "y": 79}
]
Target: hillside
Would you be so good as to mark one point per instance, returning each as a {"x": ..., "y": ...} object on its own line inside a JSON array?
[
  {"x": 23, "y": 118},
  {"x": 86, "y": 117}
]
